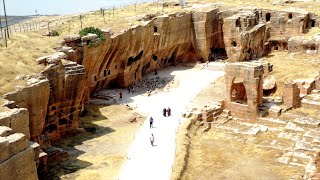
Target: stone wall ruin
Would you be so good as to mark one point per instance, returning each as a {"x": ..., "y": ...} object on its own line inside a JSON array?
[{"x": 244, "y": 89}]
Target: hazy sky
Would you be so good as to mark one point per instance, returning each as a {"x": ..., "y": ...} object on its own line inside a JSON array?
[{"x": 28, "y": 7}]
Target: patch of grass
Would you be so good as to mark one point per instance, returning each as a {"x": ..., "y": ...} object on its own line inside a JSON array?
[
  {"x": 54, "y": 33},
  {"x": 291, "y": 67},
  {"x": 19, "y": 58},
  {"x": 102, "y": 152},
  {"x": 307, "y": 112},
  {"x": 218, "y": 155}
]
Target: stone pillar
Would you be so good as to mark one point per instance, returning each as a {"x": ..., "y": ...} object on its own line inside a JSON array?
[
  {"x": 291, "y": 95},
  {"x": 317, "y": 82}
]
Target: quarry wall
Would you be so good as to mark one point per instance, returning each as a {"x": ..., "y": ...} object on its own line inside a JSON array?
[{"x": 48, "y": 107}]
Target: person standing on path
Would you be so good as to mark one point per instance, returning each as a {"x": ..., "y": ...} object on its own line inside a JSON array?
[
  {"x": 164, "y": 111},
  {"x": 169, "y": 111},
  {"x": 151, "y": 122},
  {"x": 120, "y": 96},
  {"x": 152, "y": 139}
]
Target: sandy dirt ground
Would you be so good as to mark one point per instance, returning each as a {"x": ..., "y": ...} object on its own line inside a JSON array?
[
  {"x": 222, "y": 154},
  {"x": 155, "y": 162},
  {"x": 113, "y": 148}
]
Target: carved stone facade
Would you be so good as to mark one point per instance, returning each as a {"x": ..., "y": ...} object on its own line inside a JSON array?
[
  {"x": 244, "y": 89},
  {"x": 244, "y": 37}
]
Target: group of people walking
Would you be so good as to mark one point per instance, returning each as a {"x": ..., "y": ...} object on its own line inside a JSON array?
[{"x": 166, "y": 113}]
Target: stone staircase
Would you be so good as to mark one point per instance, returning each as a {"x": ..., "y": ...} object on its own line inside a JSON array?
[
  {"x": 296, "y": 141},
  {"x": 74, "y": 69},
  {"x": 312, "y": 100}
]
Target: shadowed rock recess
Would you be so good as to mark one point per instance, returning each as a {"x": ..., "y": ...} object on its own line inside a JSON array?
[{"x": 48, "y": 107}]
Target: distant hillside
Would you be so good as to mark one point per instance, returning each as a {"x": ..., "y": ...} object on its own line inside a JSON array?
[{"x": 14, "y": 19}]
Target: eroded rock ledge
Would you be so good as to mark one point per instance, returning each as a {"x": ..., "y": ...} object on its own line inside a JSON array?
[{"x": 49, "y": 106}]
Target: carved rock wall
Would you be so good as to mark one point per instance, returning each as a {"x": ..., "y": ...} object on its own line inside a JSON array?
[
  {"x": 34, "y": 97},
  {"x": 244, "y": 37},
  {"x": 164, "y": 41},
  {"x": 209, "y": 34},
  {"x": 65, "y": 103},
  {"x": 17, "y": 120}
]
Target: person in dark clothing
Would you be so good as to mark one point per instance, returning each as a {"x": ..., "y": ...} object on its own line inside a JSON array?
[
  {"x": 120, "y": 96},
  {"x": 169, "y": 111},
  {"x": 151, "y": 122},
  {"x": 151, "y": 139},
  {"x": 164, "y": 112},
  {"x": 129, "y": 89}
]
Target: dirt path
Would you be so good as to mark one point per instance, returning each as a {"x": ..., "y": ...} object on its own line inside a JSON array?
[
  {"x": 102, "y": 152},
  {"x": 145, "y": 161}
]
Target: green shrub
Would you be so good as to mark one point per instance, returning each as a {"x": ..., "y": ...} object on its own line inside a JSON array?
[
  {"x": 92, "y": 30},
  {"x": 54, "y": 33}
]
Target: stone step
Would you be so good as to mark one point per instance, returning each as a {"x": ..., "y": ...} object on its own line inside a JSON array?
[
  {"x": 5, "y": 131},
  {"x": 310, "y": 104}
]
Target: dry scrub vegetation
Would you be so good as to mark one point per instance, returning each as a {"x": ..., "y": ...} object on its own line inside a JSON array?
[
  {"x": 218, "y": 155},
  {"x": 101, "y": 151},
  {"x": 19, "y": 58},
  {"x": 291, "y": 67}
]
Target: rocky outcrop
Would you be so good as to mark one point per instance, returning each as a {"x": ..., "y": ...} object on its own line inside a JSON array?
[
  {"x": 308, "y": 45},
  {"x": 33, "y": 97},
  {"x": 17, "y": 120},
  {"x": 65, "y": 102},
  {"x": 209, "y": 35},
  {"x": 17, "y": 159},
  {"x": 244, "y": 37}
]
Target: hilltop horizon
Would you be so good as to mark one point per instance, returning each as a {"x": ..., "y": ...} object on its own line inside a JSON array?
[{"x": 60, "y": 7}]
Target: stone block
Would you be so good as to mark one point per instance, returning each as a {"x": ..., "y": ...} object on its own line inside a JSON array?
[
  {"x": 4, "y": 149},
  {"x": 72, "y": 37},
  {"x": 20, "y": 121},
  {"x": 19, "y": 166},
  {"x": 317, "y": 82},
  {"x": 291, "y": 95},
  {"x": 17, "y": 143},
  {"x": 5, "y": 131},
  {"x": 36, "y": 149},
  {"x": 275, "y": 111}
]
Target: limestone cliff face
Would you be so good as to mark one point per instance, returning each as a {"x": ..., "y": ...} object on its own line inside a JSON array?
[
  {"x": 209, "y": 34},
  {"x": 34, "y": 97},
  {"x": 65, "y": 103},
  {"x": 52, "y": 101},
  {"x": 125, "y": 58}
]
